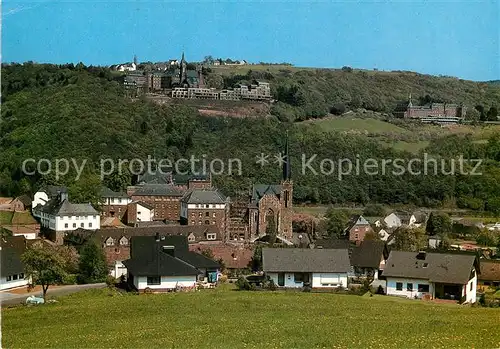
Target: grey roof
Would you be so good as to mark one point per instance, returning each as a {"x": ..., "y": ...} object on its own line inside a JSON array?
[
  {"x": 10, "y": 255},
  {"x": 159, "y": 176},
  {"x": 108, "y": 193},
  {"x": 201, "y": 196},
  {"x": 259, "y": 190},
  {"x": 305, "y": 260},
  {"x": 453, "y": 268},
  {"x": 158, "y": 190},
  {"x": 66, "y": 208},
  {"x": 368, "y": 254},
  {"x": 53, "y": 190},
  {"x": 332, "y": 243}
]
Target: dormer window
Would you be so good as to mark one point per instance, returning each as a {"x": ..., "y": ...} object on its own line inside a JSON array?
[
  {"x": 110, "y": 241},
  {"x": 211, "y": 236},
  {"x": 123, "y": 241}
]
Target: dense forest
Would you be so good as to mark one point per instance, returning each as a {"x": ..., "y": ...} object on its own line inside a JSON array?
[
  {"x": 312, "y": 93},
  {"x": 78, "y": 112}
]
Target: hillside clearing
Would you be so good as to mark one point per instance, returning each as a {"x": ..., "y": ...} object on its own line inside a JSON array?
[{"x": 231, "y": 319}]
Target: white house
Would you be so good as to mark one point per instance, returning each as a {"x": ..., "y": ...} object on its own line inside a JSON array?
[
  {"x": 11, "y": 267},
  {"x": 160, "y": 264},
  {"x": 140, "y": 212},
  {"x": 47, "y": 193},
  {"x": 59, "y": 215},
  {"x": 398, "y": 219},
  {"x": 127, "y": 67},
  {"x": 297, "y": 267},
  {"x": 432, "y": 275}
]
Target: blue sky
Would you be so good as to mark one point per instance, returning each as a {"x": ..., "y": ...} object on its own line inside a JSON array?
[{"x": 458, "y": 38}]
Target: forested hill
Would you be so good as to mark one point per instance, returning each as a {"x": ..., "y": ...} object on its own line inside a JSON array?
[
  {"x": 310, "y": 93},
  {"x": 81, "y": 113}
]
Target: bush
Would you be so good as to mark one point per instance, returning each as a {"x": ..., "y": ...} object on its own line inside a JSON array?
[
  {"x": 110, "y": 281},
  {"x": 338, "y": 109},
  {"x": 69, "y": 279},
  {"x": 380, "y": 290},
  {"x": 242, "y": 284}
]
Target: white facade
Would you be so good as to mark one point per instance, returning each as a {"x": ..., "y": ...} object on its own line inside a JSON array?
[
  {"x": 40, "y": 198},
  {"x": 144, "y": 214},
  {"x": 118, "y": 270},
  {"x": 166, "y": 282},
  {"x": 8, "y": 281},
  {"x": 27, "y": 236},
  {"x": 317, "y": 280},
  {"x": 115, "y": 201},
  {"x": 393, "y": 283},
  {"x": 69, "y": 223},
  {"x": 392, "y": 221},
  {"x": 415, "y": 290},
  {"x": 186, "y": 207}
]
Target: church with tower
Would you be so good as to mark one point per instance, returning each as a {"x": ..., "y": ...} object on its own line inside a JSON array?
[{"x": 271, "y": 206}]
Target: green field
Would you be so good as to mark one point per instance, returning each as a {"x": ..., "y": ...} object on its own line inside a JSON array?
[{"x": 232, "y": 319}]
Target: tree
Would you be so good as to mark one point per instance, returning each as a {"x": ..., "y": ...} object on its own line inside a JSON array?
[
  {"x": 439, "y": 223},
  {"x": 44, "y": 265},
  {"x": 271, "y": 229},
  {"x": 256, "y": 262},
  {"x": 336, "y": 222},
  {"x": 93, "y": 266},
  {"x": 375, "y": 210},
  {"x": 487, "y": 238},
  {"x": 472, "y": 114},
  {"x": 492, "y": 114},
  {"x": 406, "y": 239},
  {"x": 338, "y": 109}
]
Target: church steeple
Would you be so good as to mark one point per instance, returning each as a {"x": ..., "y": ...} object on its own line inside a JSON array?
[{"x": 287, "y": 172}]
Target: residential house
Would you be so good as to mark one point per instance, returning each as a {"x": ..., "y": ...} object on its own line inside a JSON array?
[
  {"x": 296, "y": 267},
  {"x": 59, "y": 216},
  {"x": 490, "y": 273},
  {"x": 432, "y": 275},
  {"x": 47, "y": 193},
  {"x": 138, "y": 212},
  {"x": 368, "y": 258},
  {"x": 358, "y": 228},
  {"x": 205, "y": 207},
  {"x": 11, "y": 267},
  {"x": 111, "y": 222},
  {"x": 20, "y": 203},
  {"x": 161, "y": 264},
  {"x": 21, "y": 223},
  {"x": 113, "y": 204},
  {"x": 116, "y": 241},
  {"x": 400, "y": 218}
]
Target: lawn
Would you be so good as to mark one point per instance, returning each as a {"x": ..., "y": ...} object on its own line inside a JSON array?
[{"x": 232, "y": 319}]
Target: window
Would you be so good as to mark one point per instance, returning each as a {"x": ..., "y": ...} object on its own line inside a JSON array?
[
  {"x": 9, "y": 278},
  {"x": 74, "y": 225},
  {"x": 138, "y": 212},
  {"x": 65, "y": 225},
  {"x": 213, "y": 215},
  {"x": 21, "y": 276},
  {"x": 329, "y": 279},
  {"x": 110, "y": 242},
  {"x": 123, "y": 241},
  {"x": 207, "y": 206},
  {"x": 471, "y": 286},
  {"x": 90, "y": 224},
  {"x": 423, "y": 288},
  {"x": 211, "y": 236},
  {"x": 356, "y": 236},
  {"x": 207, "y": 222},
  {"x": 154, "y": 280},
  {"x": 298, "y": 277},
  {"x": 207, "y": 214},
  {"x": 200, "y": 214},
  {"x": 192, "y": 214},
  {"x": 409, "y": 287},
  {"x": 119, "y": 201},
  {"x": 82, "y": 225},
  {"x": 192, "y": 222},
  {"x": 14, "y": 277},
  {"x": 399, "y": 286}
]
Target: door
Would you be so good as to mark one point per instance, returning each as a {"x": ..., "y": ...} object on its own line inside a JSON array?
[{"x": 281, "y": 279}]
